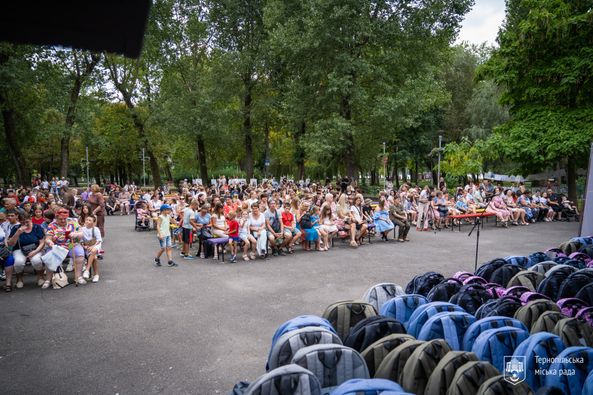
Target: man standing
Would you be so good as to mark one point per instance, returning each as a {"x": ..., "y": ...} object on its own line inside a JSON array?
[
  {"x": 189, "y": 224},
  {"x": 275, "y": 229},
  {"x": 398, "y": 217}
]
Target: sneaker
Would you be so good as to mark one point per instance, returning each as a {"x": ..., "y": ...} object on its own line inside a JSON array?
[
  {"x": 40, "y": 282},
  {"x": 202, "y": 256},
  {"x": 86, "y": 275},
  {"x": 80, "y": 281},
  {"x": 45, "y": 285},
  {"x": 172, "y": 264},
  {"x": 19, "y": 284},
  {"x": 96, "y": 278},
  {"x": 157, "y": 262},
  {"x": 189, "y": 257},
  {"x": 2, "y": 276},
  {"x": 181, "y": 254},
  {"x": 233, "y": 259}
]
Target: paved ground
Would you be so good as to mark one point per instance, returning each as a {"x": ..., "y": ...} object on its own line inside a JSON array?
[{"x": 203, "y": 326}]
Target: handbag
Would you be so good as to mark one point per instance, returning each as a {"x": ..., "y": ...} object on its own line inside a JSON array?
[
  {"x": 4, "y": 252},
  {"x": 205, "y": 233},
  {"x": 92, "y": 241},
  {"x": 59, "y": 279},
  {"x": 54, "y": 257}
]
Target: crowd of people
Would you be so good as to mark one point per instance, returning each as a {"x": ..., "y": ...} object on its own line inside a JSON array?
[
  {"x": 276, "y": 216},
  {"x": 273, "y": 217},
  {"x": 37, "y": 220}
]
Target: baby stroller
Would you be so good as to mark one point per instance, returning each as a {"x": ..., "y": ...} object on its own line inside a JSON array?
[{"x": 139, "y": 225}]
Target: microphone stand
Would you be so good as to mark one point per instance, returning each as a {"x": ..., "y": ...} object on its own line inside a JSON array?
[{"x": 479, "y": 221}]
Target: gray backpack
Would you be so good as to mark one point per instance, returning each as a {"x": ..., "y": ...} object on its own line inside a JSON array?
[
  {"x": 442, "y": 376},
  {"x": 289, "y": 343},
  {"x": 469, "y": 377},
  {"x": 529, "y": 313},
  {"x": 393, "y": 364},
  {"x": 497, "y": 385},
  {"x": 421, "y": 364},
  {"x": 344, "y": 315},
  {"x": 376, "y": 352},
  {"x": 381, "y": 293},
  {"x": 333, "y": 364},
  {"x": 547, "y": 321},
  {"x": 574, "y": 332},
  {"x": 285, "y": 380},
  {"x": 527, "y": 278}
]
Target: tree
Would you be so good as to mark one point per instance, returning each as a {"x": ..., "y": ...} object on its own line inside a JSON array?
[{"x": 544, "y": 64}]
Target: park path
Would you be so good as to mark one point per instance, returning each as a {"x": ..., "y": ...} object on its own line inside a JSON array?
[{"x": 203, "y": 326}]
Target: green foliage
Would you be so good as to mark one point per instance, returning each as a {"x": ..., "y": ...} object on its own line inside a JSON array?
[{"x": 463, "y": 158}]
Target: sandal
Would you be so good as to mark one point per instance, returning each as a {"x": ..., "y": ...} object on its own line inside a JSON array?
[
  {"x": 8, "y": 288},
  {"x": 353, "y": 244},
  {"x": 245, "y": 258}
]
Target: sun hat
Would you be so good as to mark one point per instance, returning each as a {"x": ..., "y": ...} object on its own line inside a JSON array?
[{"x": 165, "y": 207}]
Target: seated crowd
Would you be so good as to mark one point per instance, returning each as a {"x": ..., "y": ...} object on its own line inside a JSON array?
[
  {"x": 276, "y": 216},
  {"x": 33, "y": 220}
]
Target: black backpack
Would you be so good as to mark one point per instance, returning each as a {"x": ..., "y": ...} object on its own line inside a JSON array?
[
  {"x": 550, "y": 286},
  {"x": 441, "y": 377},
  {"x": 586, "y": 294},
  {"x": 306, "y": 222},
  {"x": 486, "y": 270},
  {"x": 444, "y": 290},
  {"x": 470, "y": 297},
  {"x": 423, "y": 283},
  {"x": 370, "y": 330},
  {"x": 374, "y": 354},
  {"x": 574, "y": 282},
  {"x": 421, "y": 364},
  {"x": 506, "y": 306},
  {"x": 504, "y": 274},
  {"x": 588, "y": 250}
]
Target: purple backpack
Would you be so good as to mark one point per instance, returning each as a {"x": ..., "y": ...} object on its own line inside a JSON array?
[
  {"x": 516, "y": 291},
  {"x": 474, "y": 280},
  {"x": 553, "y": 253},
  {"x": 530, "y": 296},
  {"x": 586, "y": 315},
  {"x": 579, "y": 256},
  {"x": 461, "y": 276},
  {"x": 495, "y": 289},
  {"x": 571, "y": 306}
]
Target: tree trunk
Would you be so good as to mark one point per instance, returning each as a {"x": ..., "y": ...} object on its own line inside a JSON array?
[
  {"x": 202, "y": 158},
  {"x": 70, "y": 115},
  {"x": 154, "y": 169},
  {"x": 571, "y": 179},
  {"x": 350, "y": 154},
  {"x": 247, "y": 127},
  {"x": 23, "y": 175},
  {"x": 415, "y": 175},
  {"x": 266, "y": 150},
  {"x": 168, "y": 171},
  {"x": 299, "y": 151}
]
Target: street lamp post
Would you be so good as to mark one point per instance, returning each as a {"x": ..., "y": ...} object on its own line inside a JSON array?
[
  {"x": 384, "y": 168},
  {"x": 88, "y": 179},
  {"x": 143, "y": 169}
]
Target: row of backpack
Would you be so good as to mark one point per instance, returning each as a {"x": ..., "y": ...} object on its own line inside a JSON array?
[{"x": 439, "y": 336}]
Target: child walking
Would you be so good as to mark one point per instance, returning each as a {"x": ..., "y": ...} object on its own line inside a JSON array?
[{"x": 163, "y": 228}]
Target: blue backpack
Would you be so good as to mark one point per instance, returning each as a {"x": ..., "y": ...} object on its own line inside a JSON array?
[
  {"x": 536, "y": 258},
  {"x": 588, "y": 387},
  {"x": 298, "y": 323},
  {"x": 571, "y": 384},
  {"x": 522, "y": 261},
  {"x": 369, "y": 387},
  {"x": 544, "y": 345},
  {"x": 480, "y": 326},
  {"x": 424, "y": 312},
  {"x": 494, "y": 344},
  {"x": 450, "y": 326},
  {"x": 402, "y": 307}
]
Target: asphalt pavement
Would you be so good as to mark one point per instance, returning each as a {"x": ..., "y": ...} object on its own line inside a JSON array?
[{"x": 203, "y": 326}]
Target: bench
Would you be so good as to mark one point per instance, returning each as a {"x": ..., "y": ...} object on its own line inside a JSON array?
[
  {"x": 219, "y": 243},
  {"x": 466, "y": 216}
]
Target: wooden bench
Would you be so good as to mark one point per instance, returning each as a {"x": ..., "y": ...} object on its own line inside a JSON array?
[{"x": 474, "y": 216}]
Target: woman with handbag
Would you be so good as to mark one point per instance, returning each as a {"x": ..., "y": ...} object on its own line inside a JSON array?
[
  {"x": 27, "y": 242},
  {"x": 91, "y": 242},
  {"x": 65, "y": 232}
]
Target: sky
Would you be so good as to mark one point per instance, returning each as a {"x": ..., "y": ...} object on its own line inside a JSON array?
[{"x": 482, "y": 22}]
